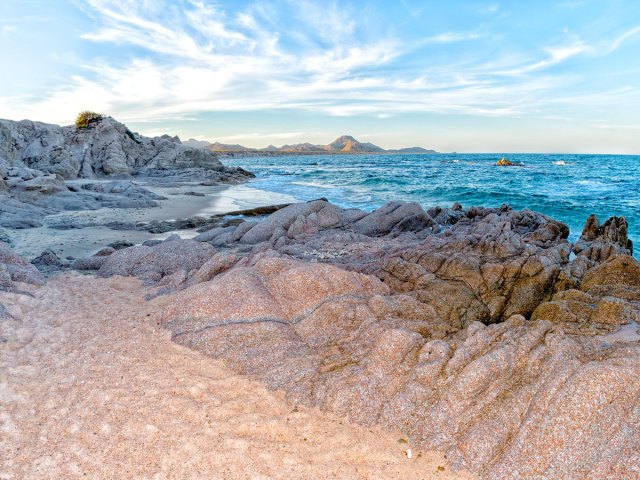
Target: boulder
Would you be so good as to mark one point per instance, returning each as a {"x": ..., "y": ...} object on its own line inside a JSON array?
[
  {"x": 283, "y": 219},
  {"x": 384, "y": 219},
  {"x": 154, "y": 263},
  {"x": 13, "y": 268},
  {"x": 516, "y": 399},
  {"x": 48, "y": 258}
]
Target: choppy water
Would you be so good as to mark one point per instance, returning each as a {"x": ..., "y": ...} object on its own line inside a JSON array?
[{"x": 566, "y": 187}]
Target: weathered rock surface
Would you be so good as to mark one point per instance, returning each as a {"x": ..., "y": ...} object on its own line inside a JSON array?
[
  {"x": 107, "y": 148},
  {"x": 36, "y": 159},
  {"x": 514, "y": 399},
  {"x": 473, "y": 331},
  {"x": 4, "y": 314},
  {"x": 14, "y": 268},
  {"x": 154, "y": 263}
]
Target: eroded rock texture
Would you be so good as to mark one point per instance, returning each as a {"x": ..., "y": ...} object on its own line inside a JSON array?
[
  {"x": 14, "y": 268},
  {"x": 37, "y": 158},
  {"x": 480, "y": 332}
]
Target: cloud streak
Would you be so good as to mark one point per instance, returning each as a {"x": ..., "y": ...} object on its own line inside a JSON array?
[{"x": 200, "y": 57}]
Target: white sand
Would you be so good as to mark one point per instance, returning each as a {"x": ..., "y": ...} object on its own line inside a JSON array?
[
  {"x": 91, "y": 387},
  {"x": 82, "y": 242}
]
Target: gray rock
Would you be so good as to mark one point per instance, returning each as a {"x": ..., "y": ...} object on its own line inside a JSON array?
[
  {"x": 4, "y": 314},
  {"x": 382, "y": 220},
  {"x": 154, "y": 263},
  {"x": 14, "y": 268},
  {"x": 152, "y": 242},
  {"x": 120, "y": 244},
  {"x": 89, "y": 263},
  {"x": 172, "y": 238},
  {"x": 36, "y": 159},
  {"x": 213, "y": 233},
  {"x": 47, "y": 258},
  {"x": 107, "y": 148},
  {"x": 283, "y": 218}
]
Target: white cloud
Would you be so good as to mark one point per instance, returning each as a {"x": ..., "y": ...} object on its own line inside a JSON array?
[
  {"x": 620, "y": 40},
  {"x": 490, "y": 9},
  {"x": 452, "y": 37},
  {"x": 555, "y": 55},
  {"x": 199, "y": 58}
]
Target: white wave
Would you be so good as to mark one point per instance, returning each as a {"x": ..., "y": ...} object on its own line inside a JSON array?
[{"x": 312, "y": 184}]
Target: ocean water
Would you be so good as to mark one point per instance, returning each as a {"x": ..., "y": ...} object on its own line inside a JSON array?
[{"x": 566, "y": 187}]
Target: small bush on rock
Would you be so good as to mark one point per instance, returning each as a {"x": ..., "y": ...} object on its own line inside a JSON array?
[{"x": 86, "y": 119}]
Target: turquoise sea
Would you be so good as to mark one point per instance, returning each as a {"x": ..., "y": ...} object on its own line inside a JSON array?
[{"x": 566, "y": 187}]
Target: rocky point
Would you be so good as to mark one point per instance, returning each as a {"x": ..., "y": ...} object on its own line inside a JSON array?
[{"x": 481, "y": 332}]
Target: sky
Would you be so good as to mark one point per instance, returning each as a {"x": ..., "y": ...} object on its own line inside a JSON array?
[{"x": 465, "y": 76}]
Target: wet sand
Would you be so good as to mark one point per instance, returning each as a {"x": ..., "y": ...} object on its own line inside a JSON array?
[
  {"x": 86, "y": 241},
  {"x": 91, "y": 387}
]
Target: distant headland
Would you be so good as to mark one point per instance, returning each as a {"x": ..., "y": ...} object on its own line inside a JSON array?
[{"x": 345, "y": 144}]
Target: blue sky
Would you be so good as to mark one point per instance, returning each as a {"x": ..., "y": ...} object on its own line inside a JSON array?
[{"x": 474, "y": 76}]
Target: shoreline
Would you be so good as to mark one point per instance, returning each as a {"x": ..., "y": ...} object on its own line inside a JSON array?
[
  {"x": 441, "y": 324},
  {"x": 79, "y": 242}
]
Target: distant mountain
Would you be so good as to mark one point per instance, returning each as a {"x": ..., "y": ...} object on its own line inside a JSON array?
[
  {"x": 303, "y": 147},
  {"x": 348, "y": 144},
  {"x": 411, "y": 150},
  {"x": 196, "y": 143},
  {"x": 223, "y": 147},
  {"x": 270, "y": 148},
  {"x": 343, "y": 144}
]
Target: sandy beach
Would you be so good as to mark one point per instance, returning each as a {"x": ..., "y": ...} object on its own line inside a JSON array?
[
  {"x": 91, "y": 387},
  {"x": 78, "y": 242}
]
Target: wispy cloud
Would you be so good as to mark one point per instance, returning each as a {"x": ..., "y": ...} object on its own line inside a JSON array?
[
  {"x": 452, "y": 37},
  {"x": 621, "y": 39},
  {"x": 414, "y": 11},
  {"x": 200, "y": 57},
  {"x": 555, "y": 55},
  {"x": 489, "y": 9}
]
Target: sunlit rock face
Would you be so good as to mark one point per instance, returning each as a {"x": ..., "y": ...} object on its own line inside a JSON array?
[{"x": 479, "y": 332}]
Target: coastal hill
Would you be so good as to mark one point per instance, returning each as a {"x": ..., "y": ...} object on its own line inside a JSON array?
[
  {"x": 342, "y": 144},
  {"x": 39, "y": 163}
]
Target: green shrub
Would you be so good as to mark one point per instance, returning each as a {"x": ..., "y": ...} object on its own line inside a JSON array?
[{"x": 86, "y": 119}]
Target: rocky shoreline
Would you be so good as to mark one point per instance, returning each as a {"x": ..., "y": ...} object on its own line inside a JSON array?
[
  {"x": 40, "y": 163},
  {"x": 482, "y": 333}
]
